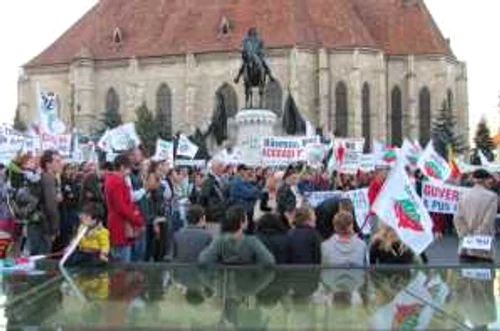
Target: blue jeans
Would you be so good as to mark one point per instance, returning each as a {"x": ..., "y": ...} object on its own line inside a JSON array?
[
  {"x": 138, "y": 253},
  {"x": 122, "y": 253},
  {"x": 38, "y": 242}
]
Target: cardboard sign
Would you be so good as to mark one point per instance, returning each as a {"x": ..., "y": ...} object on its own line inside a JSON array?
[
  {"x": 281, "y": 151},
  {"x": 123, "y": 137},
  {"x": 441, "y": 198},
  {"x": 478, "y": 242}
]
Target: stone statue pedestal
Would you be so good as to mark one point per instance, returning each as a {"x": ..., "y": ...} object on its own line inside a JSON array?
[{"x": 253, "y": 123}]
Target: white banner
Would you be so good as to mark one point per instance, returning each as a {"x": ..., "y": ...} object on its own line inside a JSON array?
[
  {"x": 279, "y": 151},
  {"x": 314, "y": 199},
  {"x": 60, "y": 143},
  {"x": 441, "y": 198}
]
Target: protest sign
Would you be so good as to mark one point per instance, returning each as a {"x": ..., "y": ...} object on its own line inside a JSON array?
[
  {"x": 314, "y": 199},
  {"x": 315, "y": 154},
  {"x": 186, "y": 148},
  {"x": 367, "y": 163},
  {"x": 349, "y": 153},
  {"x": 434, "y": 165},
  {"x": 251, "y": 151},
  {"x": 60, "y": 143},
  {"x": 361, "y": 206},
  {"x": 13, "y": 142},
  {"x": 123, "y": 137},
  {"x": 164, "y": 151},
  {"x": 441, "y": 198},
  {"x": 191, "y": 163},
  {"x": 279, "y": 151}
]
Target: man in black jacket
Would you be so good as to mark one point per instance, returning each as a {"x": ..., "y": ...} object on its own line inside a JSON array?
[
  {"x": 213, "y": 193},
  {"x": 304, "y": 241}
]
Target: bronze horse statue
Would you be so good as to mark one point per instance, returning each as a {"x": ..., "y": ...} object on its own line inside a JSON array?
[{"x": 254, "y": 69}]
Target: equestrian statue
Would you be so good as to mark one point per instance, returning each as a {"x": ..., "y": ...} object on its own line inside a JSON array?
[{"x": 254, "y": 69}]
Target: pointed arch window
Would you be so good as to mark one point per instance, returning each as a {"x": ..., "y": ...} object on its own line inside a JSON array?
[
  {"x": 341, "y": 111},
  {"x": 396, "y": 116},
  {"x": 164, "y": 110},
  {"x": 424, "y": 106},
  {"x": 112, "y": 100}
]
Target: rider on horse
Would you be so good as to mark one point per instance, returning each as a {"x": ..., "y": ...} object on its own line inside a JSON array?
[{"x": 253, "y": 47}]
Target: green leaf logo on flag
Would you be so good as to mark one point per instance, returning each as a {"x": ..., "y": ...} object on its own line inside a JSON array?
[
  {"x": 406, "y": 317},
  {"x": 407, "y": 214},
  {"x": 390, "y": 156},
  {"x": 433, "y": 170}
]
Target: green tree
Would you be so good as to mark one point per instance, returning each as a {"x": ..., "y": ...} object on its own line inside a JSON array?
[
  {"x": 483, "y": 142},
  {"x": 444, "y": 133},
  {"x": 147, "y": 128},
  {"x": 111, "y": 119},
  {"x": 19, "y": 123}
]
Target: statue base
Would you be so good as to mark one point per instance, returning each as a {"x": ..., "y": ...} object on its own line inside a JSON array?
[{"x": 255, "y": 123}]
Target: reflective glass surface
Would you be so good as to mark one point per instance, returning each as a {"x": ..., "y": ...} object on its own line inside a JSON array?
[{"x": 164, "y": 297}]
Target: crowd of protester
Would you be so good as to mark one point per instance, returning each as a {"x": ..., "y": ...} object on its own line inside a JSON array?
[{"x": 140, "y": 210}]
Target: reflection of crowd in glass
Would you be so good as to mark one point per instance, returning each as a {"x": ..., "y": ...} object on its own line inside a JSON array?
[
  {"x": 255, "y": 298},
  {"x": 144, "y": 210}
]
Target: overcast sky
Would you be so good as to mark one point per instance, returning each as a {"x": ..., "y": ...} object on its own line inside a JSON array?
[{"x": 28, "y": 26}]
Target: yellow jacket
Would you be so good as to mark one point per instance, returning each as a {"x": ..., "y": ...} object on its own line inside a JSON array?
[{"x": 96, "y": 240}]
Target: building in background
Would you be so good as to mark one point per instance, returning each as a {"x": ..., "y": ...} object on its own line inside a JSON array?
[{"x": 374, "y": 68}]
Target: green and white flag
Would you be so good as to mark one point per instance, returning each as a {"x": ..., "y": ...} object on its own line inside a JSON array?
[
  {"x": 399, "y": 206},
  {"x": 434, "y": 165}
]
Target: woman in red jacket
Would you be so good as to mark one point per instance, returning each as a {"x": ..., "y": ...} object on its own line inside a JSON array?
[{"x": 125, "y": 222}]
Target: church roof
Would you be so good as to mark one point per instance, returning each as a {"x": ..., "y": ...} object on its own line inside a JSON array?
[{"x": 115, "y": 29}]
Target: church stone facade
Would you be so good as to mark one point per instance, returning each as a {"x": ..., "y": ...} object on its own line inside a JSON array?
[{"x": 374, "y": 68}]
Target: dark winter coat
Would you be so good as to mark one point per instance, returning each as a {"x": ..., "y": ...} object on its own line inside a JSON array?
[
  {"x": 304, "y": 245},
  {"x": 274, "y": 235},
  {"x": 213, "y": 199},
  {"x": 285, "y": 199}
]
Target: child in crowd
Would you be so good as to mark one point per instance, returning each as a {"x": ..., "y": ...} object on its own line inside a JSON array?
[
  {"x": 304, "y": 240},
  {"x": 344, "y": 248},
  {"x": 192, "y": 240},
  {"x": 93, "y": 249}
]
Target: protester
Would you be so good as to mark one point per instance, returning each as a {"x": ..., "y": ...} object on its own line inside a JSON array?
[
  {"x": 387, "y": 248},
  {"x": 154, "y": 211},
  {"x": 344, "y": 248},
  {"x": 93, "y": 249},
  {"x": 244, "y": 192},
  {"x": 192, "y": 240},
  {"x": 213, "y": 194},
  {"x": 43, "y": 231},
  {"x": 273, "y": 234},
  {"x": 69, "y": 206},
  {"x": 92, "y": 189},
  {"x": 233, "y": 247},
  {"x": 304, "y": 240},
  {"x": 125, "y": 222},
  {"x": 140, "y": 197},
  {"x": 288, "y": 197},
  {"x": 475, "y": 216}
]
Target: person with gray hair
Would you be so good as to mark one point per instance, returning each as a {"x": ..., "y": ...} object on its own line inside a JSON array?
[{"x": 213, "y": 193}]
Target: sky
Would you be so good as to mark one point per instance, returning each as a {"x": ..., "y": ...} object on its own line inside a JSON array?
[{"x": 29, "y": 26}]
